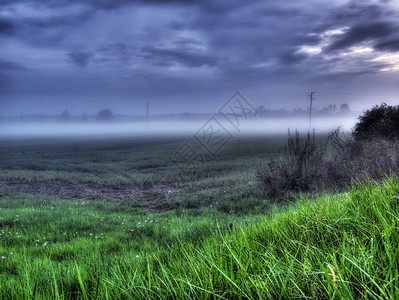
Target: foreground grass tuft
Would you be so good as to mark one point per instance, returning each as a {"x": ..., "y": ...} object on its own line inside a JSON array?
[{"x": 342, "y": 246}]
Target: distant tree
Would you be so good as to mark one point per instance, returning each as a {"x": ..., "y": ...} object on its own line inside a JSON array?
[
  {"x": 300, "y": 112},
  {"x": 283, "y": 112},
  {"x": 344, "y": 108},
  {"x": 262, "y": 111},
  {"x": 104, "y": 115},
  {"x": 379, "y": 122},
  {"x": 260, "y": 108},
  {"x": 322, "y": 112},
  {"x": 332, "y": 108},
  {"x": 65, "y": 117}
]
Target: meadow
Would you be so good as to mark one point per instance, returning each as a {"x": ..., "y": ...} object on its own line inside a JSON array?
[
  {"x": 138, "y": 171},
  {"x": 212, "y": 234}
]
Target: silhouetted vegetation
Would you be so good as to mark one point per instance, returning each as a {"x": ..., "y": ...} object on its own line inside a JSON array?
[
  {"x": 328, "y": 111},
  {"x": 306, "y": 165},
  {"x": 104, "y": 115},
  {"x": 65, "y": 116},
  {"x": 297, "y": 170},
  {"x": 379, "y": 122}
]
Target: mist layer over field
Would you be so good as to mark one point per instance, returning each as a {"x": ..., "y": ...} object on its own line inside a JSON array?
[{"x": 173, "y": 128}]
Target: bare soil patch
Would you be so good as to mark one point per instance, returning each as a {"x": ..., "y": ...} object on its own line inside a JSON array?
[{"x": 147, "y": 196}]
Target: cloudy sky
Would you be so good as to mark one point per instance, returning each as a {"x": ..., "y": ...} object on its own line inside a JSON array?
[{"x": 188, "y": 55}]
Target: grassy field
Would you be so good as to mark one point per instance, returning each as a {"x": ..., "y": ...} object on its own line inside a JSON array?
[
  {"x": 119, "y": 161},
  {"x": 343, "y": 246},
  {"x": 139, "y": 171},
  {"x": 212, "y": 235}
]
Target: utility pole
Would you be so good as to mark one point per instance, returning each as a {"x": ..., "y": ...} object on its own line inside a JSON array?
[
  {"x": 148, "y": 108},
  {"x": 310, "y": 109}
]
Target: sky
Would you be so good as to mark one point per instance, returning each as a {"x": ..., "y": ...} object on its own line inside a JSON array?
[{"x": 192, "y": 56}]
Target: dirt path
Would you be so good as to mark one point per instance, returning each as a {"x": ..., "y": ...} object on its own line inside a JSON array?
[{"x": 69, "y": 190}]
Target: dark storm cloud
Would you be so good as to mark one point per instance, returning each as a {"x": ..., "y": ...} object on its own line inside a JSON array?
[
  {"x": 114, "y": 4},
  {"x": 98, "y": 4},
  {"x": 390, "y": 45},
  {"x": 47, "y": 31},
  {"x": 80, "y": 58},
  {"x": 304, "y": 39},
  {"x": 291, "y": 58},
  {"x": 177, "y": 47},
  {"x": 59, "y": 21},
  {"x": 170, "y": 56},
  {"x": 6, "y": 65},
  {"x": 116, "y": 52},
  {"x": 360, "y": 10},
  {"x": 210, "y": 6},
  {"x": 6, "y": 27},
  {"x": 361, "y": 33}
]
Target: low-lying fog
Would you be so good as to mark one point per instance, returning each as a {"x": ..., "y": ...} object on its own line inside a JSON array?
[{"x": 165, "y": 128}]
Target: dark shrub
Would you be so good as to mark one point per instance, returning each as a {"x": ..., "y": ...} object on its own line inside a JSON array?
[
  {"x": 309, "y": 167},
  {"x": 379, "y": 122},
  {"x": 359, "y": 160},
  {"x": 299, "y": 168}
]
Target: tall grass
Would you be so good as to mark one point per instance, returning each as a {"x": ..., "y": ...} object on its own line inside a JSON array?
[{"x": 343, "y": 246}]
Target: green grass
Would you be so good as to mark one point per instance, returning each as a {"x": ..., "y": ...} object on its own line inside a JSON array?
[
  {"x": 131, "y": 160},
  {"x": 343, "y": 246},
  {"x": 227, "y": 182}
]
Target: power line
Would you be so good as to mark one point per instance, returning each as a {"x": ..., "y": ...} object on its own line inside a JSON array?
[{"x": 310, "y": 109}]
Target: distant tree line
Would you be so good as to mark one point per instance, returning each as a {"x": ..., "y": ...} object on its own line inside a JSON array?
[
  {"x": 102, "y": 116},
  {"x": 106, "y": 115},
  {"x": 330, "y": 110}
]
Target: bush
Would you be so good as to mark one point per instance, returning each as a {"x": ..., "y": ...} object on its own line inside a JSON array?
[
  {"x": 299, "y": 169},
  {"x": 361, "y": 160},
  {"x": 309, "y": 167},
  {"x": 379, "y": 122}
]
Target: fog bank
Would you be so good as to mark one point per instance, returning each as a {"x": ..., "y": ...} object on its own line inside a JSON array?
[{"x": 172, "y": 128}]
